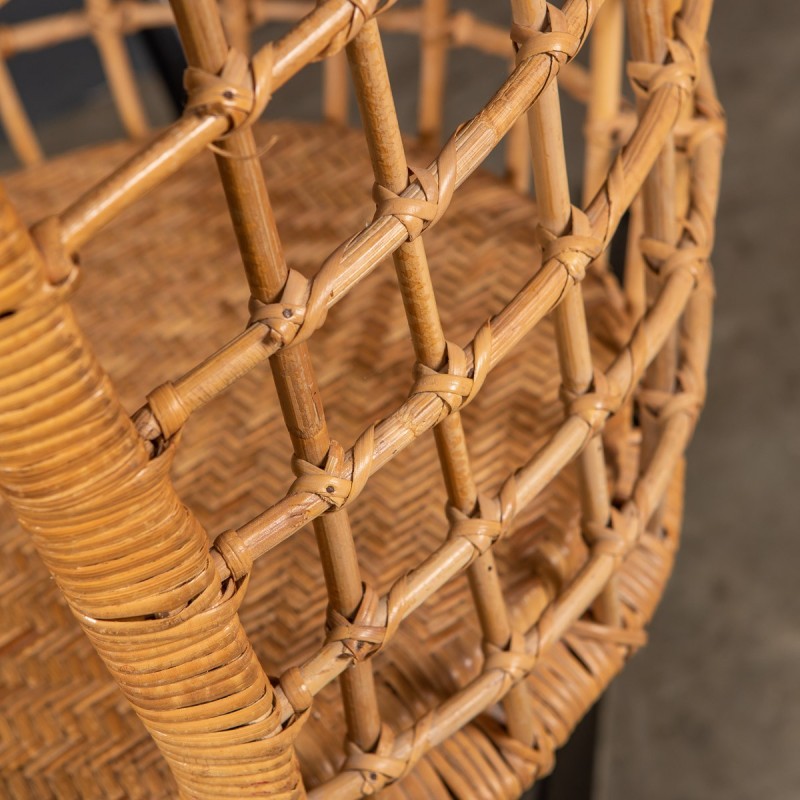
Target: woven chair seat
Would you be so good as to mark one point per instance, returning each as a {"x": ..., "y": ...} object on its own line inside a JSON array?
[{"x": 65, "y": 729}]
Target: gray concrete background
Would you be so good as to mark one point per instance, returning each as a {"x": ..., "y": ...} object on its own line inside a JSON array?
[{"x": 711, "y": 708}]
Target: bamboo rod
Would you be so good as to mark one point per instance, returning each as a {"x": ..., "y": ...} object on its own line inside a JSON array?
[
  {"x": 605, "y": 72},
  {"x": 605, "y": 58},
  {"x": 334, "y": 89},
  {"x": 117, "y": 66},
  {"x": 518, "y": 154},
  {"x": 16, "y": 122},
  {"x": 433, "y": 66},
  {"x": 235, "y": 18},
  {"x": 635, "y": 271}
]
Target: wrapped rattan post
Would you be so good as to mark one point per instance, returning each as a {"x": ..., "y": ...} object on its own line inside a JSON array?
[{"x": 131, "y": 560}]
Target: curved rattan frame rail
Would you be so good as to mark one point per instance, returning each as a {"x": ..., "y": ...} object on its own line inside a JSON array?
[{"x": 92, "y": 485}]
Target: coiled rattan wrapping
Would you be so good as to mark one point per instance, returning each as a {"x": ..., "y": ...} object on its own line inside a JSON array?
[{"x": 470, "y": 620}]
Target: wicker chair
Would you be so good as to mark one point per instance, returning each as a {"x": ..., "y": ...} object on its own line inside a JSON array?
[{"x": 496, "y": 528}]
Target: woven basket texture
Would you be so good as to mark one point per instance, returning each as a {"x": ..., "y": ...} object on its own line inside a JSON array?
[{"x": 203, "y": 592}]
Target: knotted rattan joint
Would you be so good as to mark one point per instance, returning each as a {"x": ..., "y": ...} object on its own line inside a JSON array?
[
  {"x": 363, "y": 10},
  {"x": 379, "y": 767},
  {"x": 554, "y": 38},
  {"x": 573, "y": 249},
  {"x": 662, "y": 405},
  {"x": 455, "y": 385},
  {"x": 679, "y": 68},
  {"x": 489, "y": 521},
  {"x": 330, "y": 482},
  {"x": 115, "y": 18},
  {"x": 240, "y": 91},
  {"x": 373, "y": 624},
  {"x": 242, "y": 88},
  {"x": 302, "y": 306},
  {"x": 286, "y": 316},
  {"x": 364, "y": 634},
  {"x": 596, "y": 404},
  {"x": 418, "y": 214},
  {"x": 515, "y": 660},
  {"x": 665, "y": 259},
  {"x": 613, "y": 539}
]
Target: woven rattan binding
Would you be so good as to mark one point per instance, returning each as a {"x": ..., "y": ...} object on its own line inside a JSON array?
[{"x": 92, "y": 485}]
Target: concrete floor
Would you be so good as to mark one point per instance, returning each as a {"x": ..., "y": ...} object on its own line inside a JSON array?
[{"x": 711, "y": 708}]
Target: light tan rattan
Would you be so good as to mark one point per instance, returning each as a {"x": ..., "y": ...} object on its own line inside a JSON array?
[{"x": 472, "y": 598}]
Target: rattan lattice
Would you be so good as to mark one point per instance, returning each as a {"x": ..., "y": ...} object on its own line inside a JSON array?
[{"x": 462, "y": 604}]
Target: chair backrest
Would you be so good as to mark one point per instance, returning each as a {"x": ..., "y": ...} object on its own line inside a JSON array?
[{"x": 92, "y": 485}]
